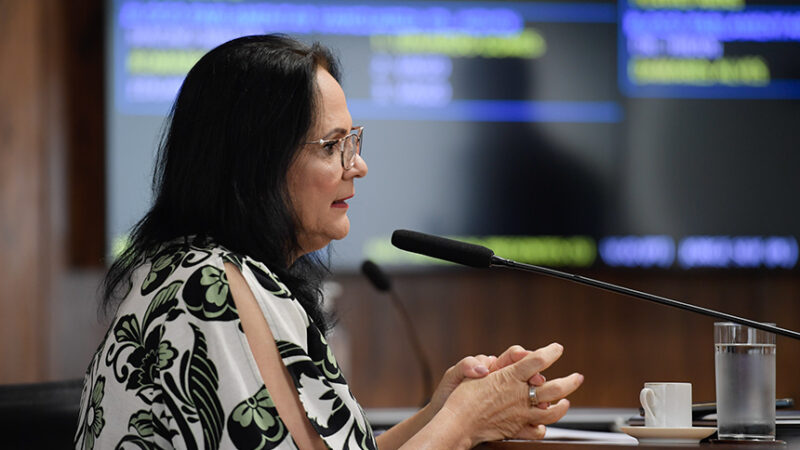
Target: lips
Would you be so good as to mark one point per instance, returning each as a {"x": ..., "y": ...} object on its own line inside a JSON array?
[{"x": 341, "y": 203}]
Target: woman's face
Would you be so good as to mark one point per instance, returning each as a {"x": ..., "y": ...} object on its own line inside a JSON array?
[{"x": 318, "y": 185}]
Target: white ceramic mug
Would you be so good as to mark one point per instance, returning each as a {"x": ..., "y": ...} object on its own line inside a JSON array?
[{"x": 667, "y": 405}]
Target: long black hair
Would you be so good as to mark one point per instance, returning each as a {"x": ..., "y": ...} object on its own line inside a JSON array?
[{"x": 240, "y": 118}]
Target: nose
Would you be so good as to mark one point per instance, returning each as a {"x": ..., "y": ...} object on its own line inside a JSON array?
[{"x": 359, "y": 169}]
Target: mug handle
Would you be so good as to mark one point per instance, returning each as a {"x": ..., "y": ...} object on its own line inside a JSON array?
[{"x": 646, "y": 398}]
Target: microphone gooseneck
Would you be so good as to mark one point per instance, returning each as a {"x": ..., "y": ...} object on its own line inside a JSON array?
[
  {"x": 433, "y": 245},
  {"x": 382, "y": 283}
]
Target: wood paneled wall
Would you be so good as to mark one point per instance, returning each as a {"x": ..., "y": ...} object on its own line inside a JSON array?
[
  {"x": 51, "y": 167},
  {"x": 24, "y": 162},
  {"x": 617, "y": 342},
  {"x": 84, "y": 131}
]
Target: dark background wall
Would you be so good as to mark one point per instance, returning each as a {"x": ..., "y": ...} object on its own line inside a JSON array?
[{"x": 51, "y": 257}]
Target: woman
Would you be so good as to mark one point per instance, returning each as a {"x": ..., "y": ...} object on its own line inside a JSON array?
[{"x": 218, "y": 340}]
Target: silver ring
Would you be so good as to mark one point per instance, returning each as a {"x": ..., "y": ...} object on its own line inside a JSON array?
[{"x": 532, "y": 395}]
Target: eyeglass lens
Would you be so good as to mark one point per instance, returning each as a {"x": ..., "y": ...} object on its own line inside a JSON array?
[{"x": 351, "y": 147}]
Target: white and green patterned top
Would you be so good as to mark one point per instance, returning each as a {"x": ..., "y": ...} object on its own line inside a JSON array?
[{"x": 175, "y": 369}]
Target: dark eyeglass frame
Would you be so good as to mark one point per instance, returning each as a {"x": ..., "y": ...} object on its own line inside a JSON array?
[{"x": 358, "y": 133}]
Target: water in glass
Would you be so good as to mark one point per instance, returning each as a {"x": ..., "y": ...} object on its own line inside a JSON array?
[{"x": 745, "y": 376}]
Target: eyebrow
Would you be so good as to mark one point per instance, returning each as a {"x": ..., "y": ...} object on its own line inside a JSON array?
[{"x": 334, "y": 132}]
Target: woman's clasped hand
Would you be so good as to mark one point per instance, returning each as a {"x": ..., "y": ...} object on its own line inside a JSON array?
[{"x": 483, "y": 398}]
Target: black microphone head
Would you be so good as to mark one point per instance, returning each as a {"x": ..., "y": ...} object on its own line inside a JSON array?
[
  {"x": 442, "y": 248},
  {"x": 376, "y": 276}
]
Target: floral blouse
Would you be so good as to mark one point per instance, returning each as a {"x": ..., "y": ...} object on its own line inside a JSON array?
[{"x": 175, "y": 369}]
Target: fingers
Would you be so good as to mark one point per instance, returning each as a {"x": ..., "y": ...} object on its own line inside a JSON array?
[
  {"x": 512, "y": 355},
  {"x": 536, "y": 429},
  {"x": 558, "y": 388},
  {"x": 487, "y": 361},
  {"x": 531, "y": 432},
  {"x": 509, "y": 357},
  {"x": 475, "y": 366},
  {"x": 536, "y": 361},
  {"x": 537, "y": 380},
  {"x": 550, "y": 415}
]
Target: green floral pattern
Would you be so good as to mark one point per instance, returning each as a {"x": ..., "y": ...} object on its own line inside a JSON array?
[
  {"x": 92, "y": 417},
  {"x": 178, "y": 367},
  {"x": 254, "y": 423},
  {"x": 208, "y": 296}
]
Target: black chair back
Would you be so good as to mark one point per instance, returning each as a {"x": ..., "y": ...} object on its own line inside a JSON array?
[{"x": 39, "y": 415}]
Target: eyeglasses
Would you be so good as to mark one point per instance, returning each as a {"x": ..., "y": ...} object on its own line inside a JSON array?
[{"x": 349, "y": 146}]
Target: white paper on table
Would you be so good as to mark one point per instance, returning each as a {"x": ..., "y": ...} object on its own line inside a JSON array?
[{"x": 566, "y": 434}]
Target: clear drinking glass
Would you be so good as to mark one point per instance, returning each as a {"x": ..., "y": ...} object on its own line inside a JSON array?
[{"x": 744, "y": 360}]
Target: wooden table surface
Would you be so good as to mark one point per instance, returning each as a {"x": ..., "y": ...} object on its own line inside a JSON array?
[{"x": 563, "y": 445}]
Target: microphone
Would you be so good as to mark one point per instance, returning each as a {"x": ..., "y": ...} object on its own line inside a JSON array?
[
  {"x": 376, "y": 276},
  {"x": 382, "y": 283},
  {"x": 443, "y": 248},
  {"x": 482, "y": 257}
]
